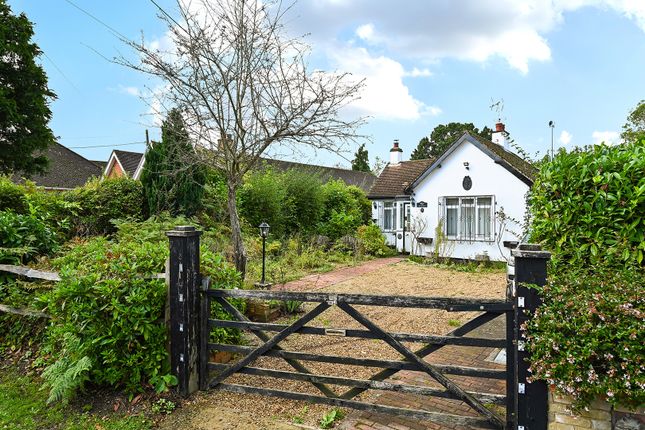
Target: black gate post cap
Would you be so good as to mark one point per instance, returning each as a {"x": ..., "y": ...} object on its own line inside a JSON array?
[
  {"x": 530, "y": 250},
  {"x": 184, "y": 231}
]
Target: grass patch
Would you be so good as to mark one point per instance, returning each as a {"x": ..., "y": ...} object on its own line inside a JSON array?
[
  {"x": 23, "y": 407},
  {"x": 459, "y": 266}
]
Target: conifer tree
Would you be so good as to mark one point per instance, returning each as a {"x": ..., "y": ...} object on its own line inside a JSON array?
[
  {"x": 172, "y": 180},
  {"x": 24, "y": 97},
  {"x": 361, "y": 160}
]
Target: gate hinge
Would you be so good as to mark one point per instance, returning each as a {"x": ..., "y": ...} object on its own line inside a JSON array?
[{"x": 521, "y": 388}]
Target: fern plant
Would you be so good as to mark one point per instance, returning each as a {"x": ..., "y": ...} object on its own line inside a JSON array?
[{"x": 69, "y": 373}]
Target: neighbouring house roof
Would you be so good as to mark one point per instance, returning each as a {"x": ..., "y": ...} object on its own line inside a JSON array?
[
  {"x": 512, "y": 162},
  {"x": 101, "y": 164},
  {"x": 66, "y": 169},
  {"x": 129, "y": 161},
  {"x": 363, "y": 180},
  {"x": 395, "y": 179},
  {"x": 132, "y": 163}
]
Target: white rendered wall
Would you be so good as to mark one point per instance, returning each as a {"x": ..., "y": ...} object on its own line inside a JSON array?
[{"x": 488, "y": 178}]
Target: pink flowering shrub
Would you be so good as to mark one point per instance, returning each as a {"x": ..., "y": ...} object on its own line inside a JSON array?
[{"x": 588, "y": 339}]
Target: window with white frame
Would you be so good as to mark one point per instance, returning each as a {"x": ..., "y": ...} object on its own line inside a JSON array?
[
  {"x": 468, "y": 218},
  {"x": 389, "y": 216}
]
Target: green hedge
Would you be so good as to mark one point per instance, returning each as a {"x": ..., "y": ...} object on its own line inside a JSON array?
[
  {"x": 588, "y": 209},
  {"x": 588, "y": 205},
  {"x": 297, "y": 202},
  {"x": 103, "y": 201}
]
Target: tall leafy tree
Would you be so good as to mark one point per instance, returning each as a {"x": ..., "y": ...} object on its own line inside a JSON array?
[
  {"x": 361, "y": 161},
  {"x": 443, "y": 136},
  {"x": 171, "y": 182},
  {"x": 634, "y": 128},
  {"x": 422, "y": 150},
  {"x": 24, "y": 97}
]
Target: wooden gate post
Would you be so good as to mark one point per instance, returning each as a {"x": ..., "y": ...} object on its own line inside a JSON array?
[
  {"x": 184, "y": 321},
  {"x": 531, "y": 398}
]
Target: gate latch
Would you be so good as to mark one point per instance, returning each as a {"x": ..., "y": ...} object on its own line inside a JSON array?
[
  {"x": 335, "y": 332},
  {"x": 332, "y": 300}
]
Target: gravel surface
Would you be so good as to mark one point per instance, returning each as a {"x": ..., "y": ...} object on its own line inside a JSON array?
[{"x": 404, "y": 278}]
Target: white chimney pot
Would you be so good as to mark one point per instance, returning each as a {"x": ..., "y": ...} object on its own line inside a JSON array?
[{"x": 396, "y": 153}]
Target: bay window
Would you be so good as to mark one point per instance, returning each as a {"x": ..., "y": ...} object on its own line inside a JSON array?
[{"x": 468, "y": 218}]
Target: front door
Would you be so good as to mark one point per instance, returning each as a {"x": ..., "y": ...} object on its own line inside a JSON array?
[{"x": 405, "y": 228}]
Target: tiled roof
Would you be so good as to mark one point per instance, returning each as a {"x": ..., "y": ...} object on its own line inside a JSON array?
[
  {"x": 66, "y": 169},
  {"x": 101, "y": 164},
  {"x": 396, "y": 178},
  {"x": 514, "y": 160},
  {"x": 129, "y": 161},
  {"x": 362, "y": 180}
]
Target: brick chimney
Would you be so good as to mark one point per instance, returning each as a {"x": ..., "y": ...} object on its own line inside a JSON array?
[
  {"x": 396, "y": 153},
  {"x": 500, "y": 136}
]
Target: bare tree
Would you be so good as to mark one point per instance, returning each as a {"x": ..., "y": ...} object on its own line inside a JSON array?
[
  {"x": 418, "y": 226},
  {"x": 243, "y": 85}
]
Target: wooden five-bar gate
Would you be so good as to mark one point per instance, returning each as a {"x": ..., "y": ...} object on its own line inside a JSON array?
[{"x": 191, "y": 322}]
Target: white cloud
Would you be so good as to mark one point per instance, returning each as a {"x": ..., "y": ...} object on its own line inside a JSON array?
[
  {"x": 132, "y": 91},
  {"x": 365, "y": 32},
  {"x": 384, "y": 95},
  {"x": 608, "y": 137},
  {"x": 477, "y": 30},
  {"x": 565, "y": 138},
  {"x": 418, "y": 73}
]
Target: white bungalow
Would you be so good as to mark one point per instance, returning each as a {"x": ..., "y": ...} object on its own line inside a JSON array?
[{"x": 467, "y": 204}]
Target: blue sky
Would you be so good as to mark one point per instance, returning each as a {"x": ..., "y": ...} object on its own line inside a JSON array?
[{"x": 580, "y": 63}]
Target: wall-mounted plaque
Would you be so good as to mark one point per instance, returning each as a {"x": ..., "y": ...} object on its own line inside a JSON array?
[{"x": 467, "y": 183}]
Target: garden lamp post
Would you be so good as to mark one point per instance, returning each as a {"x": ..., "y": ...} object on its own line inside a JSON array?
[{"x": 264, "y": 232}]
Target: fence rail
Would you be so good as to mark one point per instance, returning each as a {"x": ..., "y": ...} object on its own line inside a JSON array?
[{"x": 446, "y": 303}]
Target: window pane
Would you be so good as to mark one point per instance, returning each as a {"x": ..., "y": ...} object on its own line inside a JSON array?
[
  {"x": 467, "y": 218},
  {"x": 484, "y": 226},
  {"x": 483, "y": 201},
  {"x": 451, "y": 222},
  {"x": 452, "y": 202}
]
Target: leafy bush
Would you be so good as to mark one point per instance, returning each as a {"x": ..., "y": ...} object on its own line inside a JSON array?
[
  {"x": 587, "y": 338},
  {"x": 22, "y": 237},
  {"x": 372, "y": 241},
  {"x": 12, "y": 196},
  {"x": 303, "y": 203},
  {"x": 588, "y": 205},
  {"x": 261, "y": 198},
  {"x": 344, "y": 209},
  {"x": 339, "y": 224},
  {"x": 103, "y": 201},
  {"x": 108, "y": 301}
]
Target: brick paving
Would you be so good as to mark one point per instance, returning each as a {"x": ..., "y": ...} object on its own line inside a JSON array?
[
  {"x": 462, "y": 356},
  {"x": 322, "y": 280}
]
